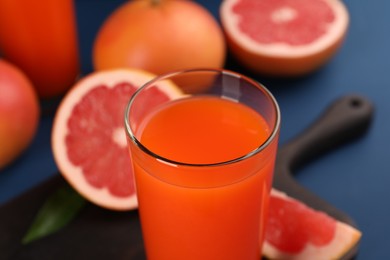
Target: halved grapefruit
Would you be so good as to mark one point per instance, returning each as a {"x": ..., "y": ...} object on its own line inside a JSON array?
[
  {"x": 88, "y": 137},
  {"x": 295, "y": 231},
  {"x": 284, "y": 37}
]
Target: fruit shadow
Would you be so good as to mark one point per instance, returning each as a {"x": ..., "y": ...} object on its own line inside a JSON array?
[{"x": 276, "y": 84}]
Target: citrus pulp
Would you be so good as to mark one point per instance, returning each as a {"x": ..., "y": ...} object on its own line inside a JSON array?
[
  {"x": 89, "y": 140},
  {"x": 295, "y": 231},
  {"x": 284, "y": 37}
]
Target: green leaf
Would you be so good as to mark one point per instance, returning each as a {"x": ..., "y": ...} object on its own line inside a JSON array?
[{"x": 58, "y": 210}]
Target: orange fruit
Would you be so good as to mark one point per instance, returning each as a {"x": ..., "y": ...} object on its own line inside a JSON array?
[
  {"x": 284, "y": 37},
  {"x": 159, "y": 36},
  {"x": 89, "y": 140},
  {"x": 295, "y": 231},
  {"x": 19, "y": 112}
]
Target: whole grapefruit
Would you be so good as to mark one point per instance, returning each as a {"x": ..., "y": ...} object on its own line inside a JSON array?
[
  {"x": 19, "y": 112},
  {"x": 284, "y": 37},
  {"x": 159, "y": 36}
]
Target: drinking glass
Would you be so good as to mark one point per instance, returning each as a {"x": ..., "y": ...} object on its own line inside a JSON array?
[{"x": 203, "y": 159}]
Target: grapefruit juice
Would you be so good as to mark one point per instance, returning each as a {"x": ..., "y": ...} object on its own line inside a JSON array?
[
  {"x": 213, "y": 204},
  {"x": 40, "y": 37}
]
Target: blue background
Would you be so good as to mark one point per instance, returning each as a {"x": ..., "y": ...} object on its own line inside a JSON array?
[{"x": 355, "y": 178}]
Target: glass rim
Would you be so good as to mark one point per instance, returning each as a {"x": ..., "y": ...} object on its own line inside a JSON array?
[{"x": 265, "y": 144}]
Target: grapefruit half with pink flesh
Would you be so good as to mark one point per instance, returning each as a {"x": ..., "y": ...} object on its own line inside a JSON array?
[
  {"x": 88, "y": 137},
  {"x": 295, "y": 231},
  {"x": 284, "y": 37}
]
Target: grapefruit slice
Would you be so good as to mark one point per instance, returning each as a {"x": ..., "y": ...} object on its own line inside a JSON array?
[
  {"x": 284, "y": 37},
  {"x": 88, "y": 136},
  {"x": 295, "y": 231}
]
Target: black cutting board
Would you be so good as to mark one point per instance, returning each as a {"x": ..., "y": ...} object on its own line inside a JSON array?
[{"x": 97, "y": 233}]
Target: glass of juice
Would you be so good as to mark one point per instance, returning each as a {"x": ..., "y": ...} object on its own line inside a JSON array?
[
  {"x": 203, "y": 162},
  {"x": 40, "y": 37}
]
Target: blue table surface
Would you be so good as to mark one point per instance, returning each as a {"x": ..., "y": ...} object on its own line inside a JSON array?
[{"x": 355, "y": 178}]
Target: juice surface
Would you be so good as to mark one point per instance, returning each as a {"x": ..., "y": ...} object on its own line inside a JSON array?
[
  {"x": 180, "y": 218},
  {"x": 204, "y": 130},
  {"x": 40, "y": 37}
]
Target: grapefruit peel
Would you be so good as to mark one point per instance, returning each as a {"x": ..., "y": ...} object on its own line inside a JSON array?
[
  {"x": 74, "y": 174},
  {"x": 281, "y": 58},
  {"x": 343, "y": 236}
]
